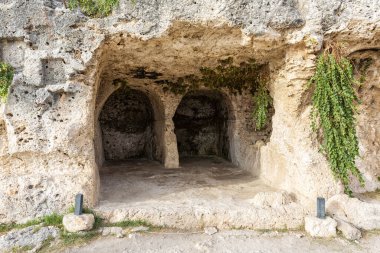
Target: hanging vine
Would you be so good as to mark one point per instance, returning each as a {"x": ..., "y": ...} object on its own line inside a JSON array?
[
  {"x": 262, "y": 102},
  {"x": 6, "y": 77},
  {"x": 334, "y": 114}
]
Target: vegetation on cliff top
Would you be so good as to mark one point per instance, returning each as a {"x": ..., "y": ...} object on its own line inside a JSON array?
[
  {"x": 334, "y": 114},
  {"x": 94, "y": 8}
]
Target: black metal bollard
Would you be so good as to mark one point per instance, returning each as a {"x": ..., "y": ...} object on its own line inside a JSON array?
[
  {"x": 321, "y": 210},
  {"x": 78, "y": 204}
]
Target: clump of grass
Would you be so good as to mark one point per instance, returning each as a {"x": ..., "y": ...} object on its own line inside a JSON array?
[
  {"x": 7, "y": 227},
  {"x": 17, "y": 249},
  {"x": 4, "y": 228},
  {"x": 77, "y": 238},
  {"x": 53, "y": 220},
  {"x": 48, "y": 220},
  {"x": 129, "y": 223},
  {"x": 29, "y": 223}
]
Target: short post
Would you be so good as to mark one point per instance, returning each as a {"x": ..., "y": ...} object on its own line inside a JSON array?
[
  {"x": 78, "y": 204},
  {"x": 321, "y": 211}
]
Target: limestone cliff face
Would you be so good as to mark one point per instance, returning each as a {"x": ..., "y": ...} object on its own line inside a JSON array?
[{"x": 66, "y": 64}]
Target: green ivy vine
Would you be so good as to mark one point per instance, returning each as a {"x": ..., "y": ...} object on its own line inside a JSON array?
[
  {"x": 94, "y": 8},
  {"x": 6, "y": 77},
  {"x": 334, "y": 115}
]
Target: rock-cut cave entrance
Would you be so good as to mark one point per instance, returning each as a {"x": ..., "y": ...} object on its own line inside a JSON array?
[
  {"x": 206, "y": 182},
  {"x": 202, "y": 125},
  {"x": 127, "y": 126}
]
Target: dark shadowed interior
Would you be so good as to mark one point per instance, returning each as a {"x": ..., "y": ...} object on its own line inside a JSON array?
[
  {"x": 126, "y": 122},
  {"x": 201, "y": 125}
]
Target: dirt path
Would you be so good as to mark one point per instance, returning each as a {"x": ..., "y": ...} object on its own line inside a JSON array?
[{"x": 228, "y": 242}]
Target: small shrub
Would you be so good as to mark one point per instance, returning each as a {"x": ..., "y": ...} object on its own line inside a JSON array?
[{"x": 6, "y": 77}]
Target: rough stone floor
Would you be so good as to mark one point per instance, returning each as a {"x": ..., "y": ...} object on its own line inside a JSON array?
[
  {"x": 203, "y": 192},
  {"x": 199, "y": 180},
  {"x": 234, "y": 241}
]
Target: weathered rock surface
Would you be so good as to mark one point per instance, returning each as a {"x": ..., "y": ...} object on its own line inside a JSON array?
[
  {"x": 210, "y": 230},
  {"x": 349, "y": 231},
  {"x": 317, "y": 227},
  {"x": 115, "y": 231},
  {"x": 271, "y": 199},
  {"x": 361, "y": 214},
  {"x": 139, "y": 229},
  {"x": 51, "y": 143},
  {"x": 31, "y": 237},
  {"x": 200, "y": 194},
  {"x": 75, "y": 223},
  {"x": 229, "y": 241}
]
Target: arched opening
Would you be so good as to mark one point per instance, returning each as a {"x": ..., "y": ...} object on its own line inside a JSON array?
[
  {"x": 202, "y": 125},
  {"x": 129, "y": 127}
]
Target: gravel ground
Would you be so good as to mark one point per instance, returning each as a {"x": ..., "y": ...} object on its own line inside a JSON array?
[{"x": 234, "y": 241}]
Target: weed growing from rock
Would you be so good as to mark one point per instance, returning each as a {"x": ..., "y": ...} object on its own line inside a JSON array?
[
  {"x": 6, "y": 77},
  {"x": 262, "y": 101}
]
